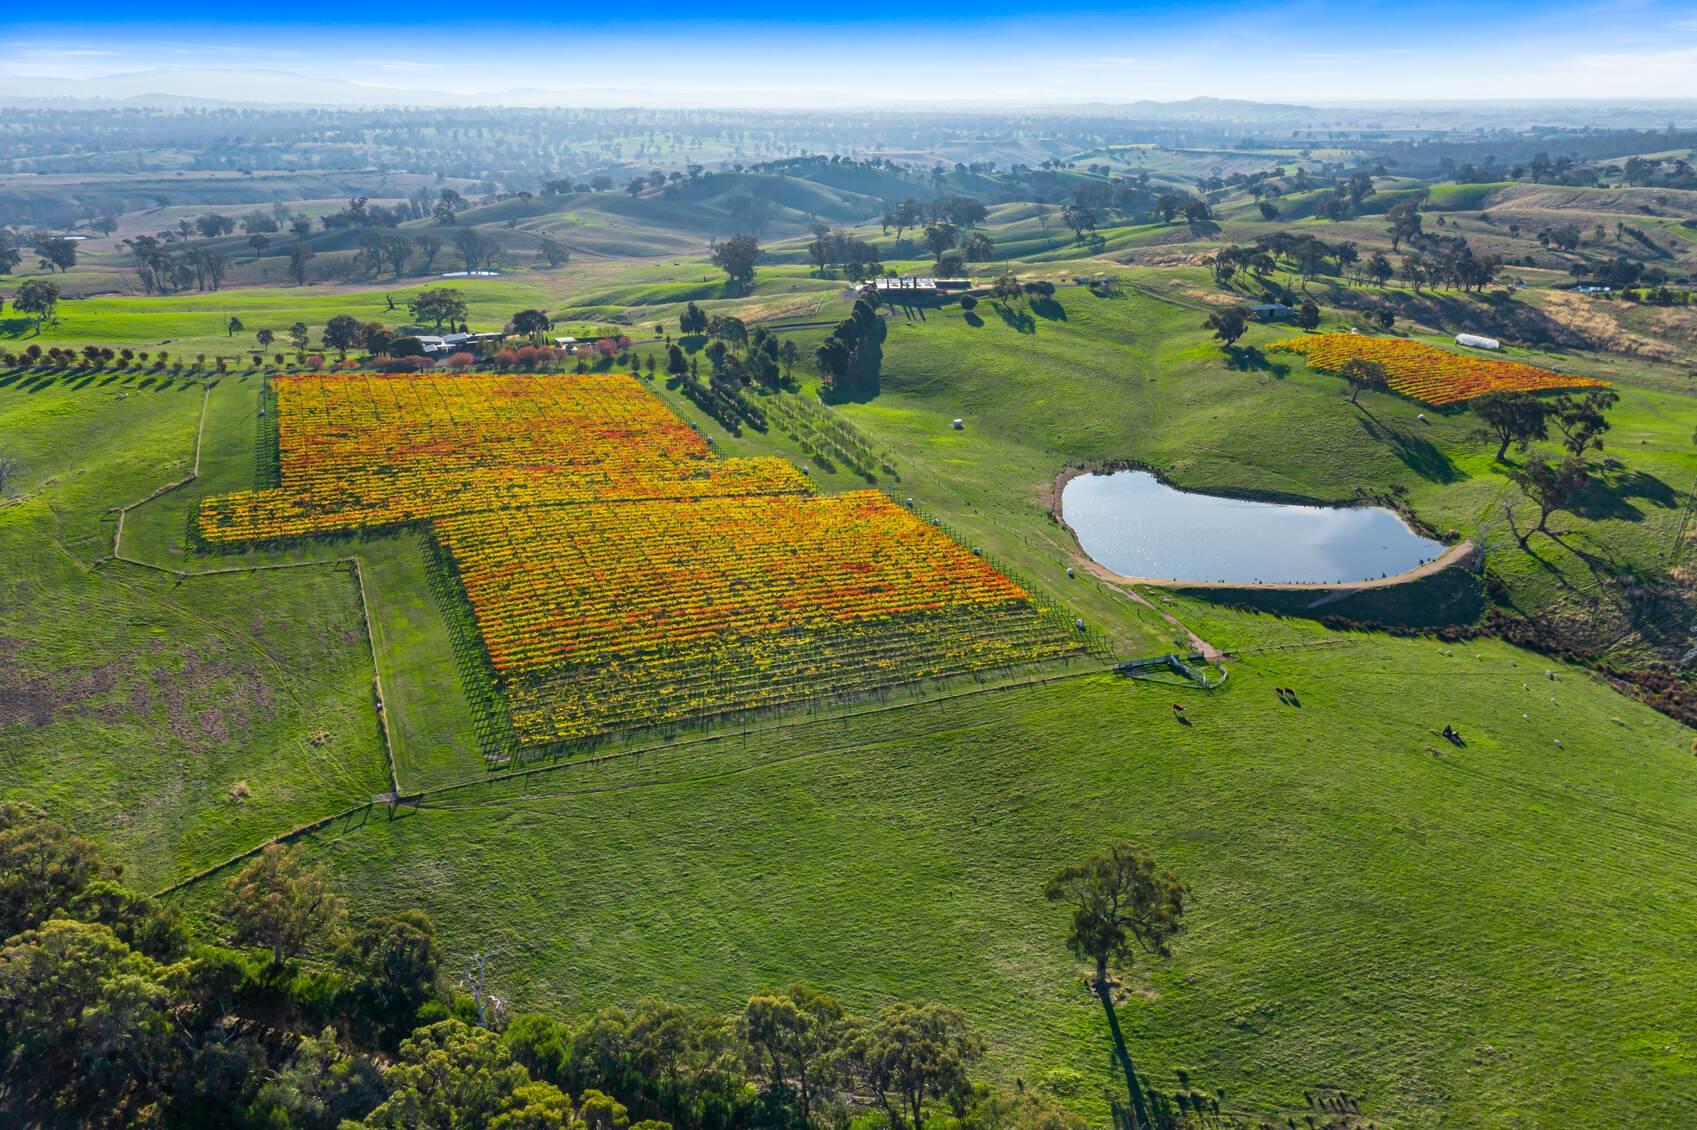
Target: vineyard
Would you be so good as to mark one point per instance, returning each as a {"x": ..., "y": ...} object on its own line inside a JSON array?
[
  {"x": 827, "y": 437},
  {"x": 680, "y": 609},
  {"x": 1426, "y": 373},
  {"x": 618, "y": 574},
  {"x": 368, "y": 451}
]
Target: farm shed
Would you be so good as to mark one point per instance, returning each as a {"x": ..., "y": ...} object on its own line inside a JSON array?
[
  {"x": 1272, "y": 312},
  {"x": 906, "y": 286},
  {"x": 1475, "y": 341}
]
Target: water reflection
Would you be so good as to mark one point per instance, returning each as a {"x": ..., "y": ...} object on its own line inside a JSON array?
[{"x": 1137, "y": 526}]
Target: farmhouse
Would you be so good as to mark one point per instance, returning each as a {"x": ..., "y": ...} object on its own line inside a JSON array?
[
  {"x": 437, "y": 346},
  {"x": 906, "y": 286}
]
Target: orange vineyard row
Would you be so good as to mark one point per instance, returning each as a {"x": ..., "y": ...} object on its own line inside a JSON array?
[
  {"x": 1426, "y": 373},
  {"x": 702, "y": 606},
  {"x": 588, "y": 583},
  {"x": 364, "y": 450}
]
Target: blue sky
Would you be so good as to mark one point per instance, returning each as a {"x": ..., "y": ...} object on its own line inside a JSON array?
[{"x": 780, "y": 53}]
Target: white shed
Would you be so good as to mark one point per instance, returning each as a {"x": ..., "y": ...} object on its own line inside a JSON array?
[{"x": 1474, "y": 341}]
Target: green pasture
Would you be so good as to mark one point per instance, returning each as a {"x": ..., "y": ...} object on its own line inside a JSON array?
[
  {"x": 181, "y": 720},
  {"x": 187, "y": 324},
  {"x": 1479, "y": 936},
  {"x": 1452, "y": 197}
]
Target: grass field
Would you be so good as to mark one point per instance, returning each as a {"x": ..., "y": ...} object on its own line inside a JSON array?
[
  {"x": 180, "y": 719},
  {"x": 1459, "y": 936}
]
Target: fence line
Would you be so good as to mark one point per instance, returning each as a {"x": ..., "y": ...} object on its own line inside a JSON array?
[
  {"x": 419, "y": 799},
  {"x": 282, "y": 837},
  {"x": 184, "y": 574},
  {"x": 194, "y": 473}
]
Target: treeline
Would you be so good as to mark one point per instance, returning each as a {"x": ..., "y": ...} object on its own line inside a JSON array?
[
  {"x": 1429, "y": 260},
  {"x": 738, "y": 360},
  {"x": 1502, "y": 150},
  {"x": 851, "y": 358},
  {"x": 56, "y": 253},
  {"x": 113, "y": 1015},
  {"x": 168, "y": 261}
]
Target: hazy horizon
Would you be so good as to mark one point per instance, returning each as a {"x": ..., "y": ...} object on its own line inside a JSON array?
[{"x": 1318, "y": 52}]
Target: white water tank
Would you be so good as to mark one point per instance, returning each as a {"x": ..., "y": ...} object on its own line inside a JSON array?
[{"x": 1474, "y": 341}]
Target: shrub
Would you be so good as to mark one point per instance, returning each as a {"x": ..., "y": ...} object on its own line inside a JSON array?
[{"x": 402, "y": 365}]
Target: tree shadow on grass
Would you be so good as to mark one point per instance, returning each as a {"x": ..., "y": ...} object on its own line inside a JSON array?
[
  {"x": 1050, "y": 309},
  {"x": 1608, "y": 495},
  {"x": 1657, "y": 611},
  {"x": 1555, "y": 572},
  {"x": 1417, "y": 453},
  {"x": 1247, "y": 359},
  {"x": 39, "y": 382},
  {"x": 1020, "y": 321}
]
